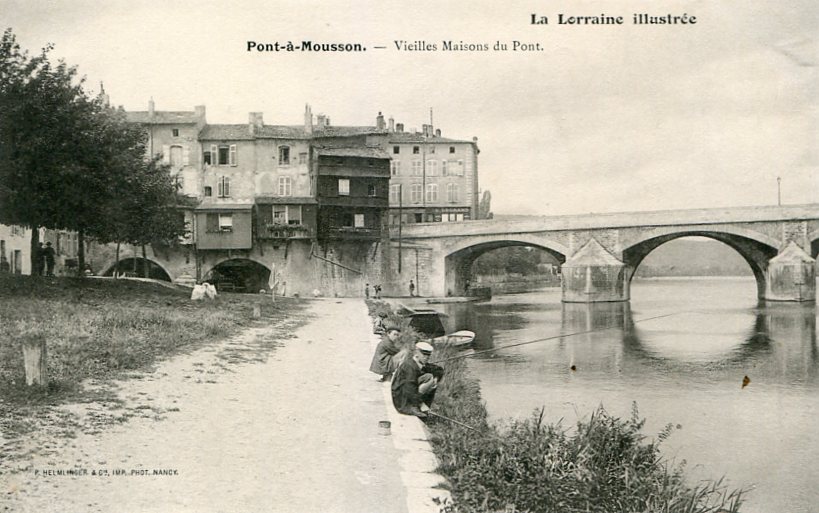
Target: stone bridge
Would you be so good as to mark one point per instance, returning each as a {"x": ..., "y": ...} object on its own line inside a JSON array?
[{"x": 600, "y": 253}]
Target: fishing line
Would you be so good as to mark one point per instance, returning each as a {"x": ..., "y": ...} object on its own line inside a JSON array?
[
  {"x": 467, "y": 426},
  {"x": 474, "y": 353}
]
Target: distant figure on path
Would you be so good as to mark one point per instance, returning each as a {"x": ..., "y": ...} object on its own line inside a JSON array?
[
  {"x": 379, "y": 328},
  {"x": 48, "y": 256},
  {"x": 388, "y": 354},
  {"x": 377, "y": 289},
  {"x": 415, "y": 382},
  {"x": 366, "y": 291},
  {"x": 466, "y": 288},
  {"x": 412, "y": 289}
]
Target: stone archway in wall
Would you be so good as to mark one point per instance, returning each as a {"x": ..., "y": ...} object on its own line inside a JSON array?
[
  {"x": 238, "y": 275},
  {"x": 755, "y": 249},
  {"x": 135, "y": 266},
  {"x": 458, "y": 263}
]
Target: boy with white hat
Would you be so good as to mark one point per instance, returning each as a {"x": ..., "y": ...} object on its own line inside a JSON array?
[{"x": 415, "y": 382}]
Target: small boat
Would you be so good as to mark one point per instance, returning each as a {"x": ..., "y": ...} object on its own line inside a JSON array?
[
  {"x": 427, "y": 322},
  {"x": 459, "y": 340}
]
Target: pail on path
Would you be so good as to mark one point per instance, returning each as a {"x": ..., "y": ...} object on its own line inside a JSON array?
[{"x": 384, "y": 427}]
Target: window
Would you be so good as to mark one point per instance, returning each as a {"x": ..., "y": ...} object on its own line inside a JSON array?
[
  {"x": 219, "y": 223},
  {"x": 206, "y": 158},
  {"x": 208, "y": 191},
  {"x": 280, "y": 214},
  {"x": 395, "y": 194},
  {"x": 459, "y": 168},
  {"x": 225, "y": 154},
  {"x": 415, "y": 193},
  {"x": 226, "y": 222},
  {"x": 371, "y": 190},
  {"x": 396, "y": 150},
  {"x": 416, "y": 150},
  {"x": 395, "y": 167},
  {"x": 303, "y": 158},
  {"x": 223, "y": 187},
  {"x": 432, "y": 192},
  {"x": 452, "y": 192},
  {"x": 285, "y": 186},
  {"x": 452, "y": 149},
  {"x": 443, "y": 168},
  {"x": 432, "y": 168},
  {"x": 359, "y": 221},
  {"x": 284, "y": 155},
  {"x": 343, "y": 186},
  {"x": 175, "y": 132},
  {"x": 293, "y": 214},
  {"x": 417, "y": 168},
  {"x": 176, "y": 156}
]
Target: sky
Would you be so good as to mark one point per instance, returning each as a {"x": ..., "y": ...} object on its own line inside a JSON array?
[{"x": 603, "y": 119}]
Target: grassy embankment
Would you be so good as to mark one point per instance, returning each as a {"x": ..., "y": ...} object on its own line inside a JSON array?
[
  {"x": 604, "y": 464},
  {"x": 100, "y": 329}
]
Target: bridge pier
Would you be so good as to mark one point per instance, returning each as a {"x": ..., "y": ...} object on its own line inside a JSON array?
[
  {"x": 791, "y": 276},
  {"x": 593, "y": 275}
]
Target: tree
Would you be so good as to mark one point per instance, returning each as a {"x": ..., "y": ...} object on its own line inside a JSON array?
[
  {"x": 70, "y": 161},
  {"x": 484, "y": 207}
]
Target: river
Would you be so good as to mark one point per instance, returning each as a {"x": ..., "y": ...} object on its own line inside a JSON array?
[{"x": 685, "y": 368}]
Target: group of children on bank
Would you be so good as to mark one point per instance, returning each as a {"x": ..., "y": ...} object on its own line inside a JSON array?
[{"x": 414, "y": 379}]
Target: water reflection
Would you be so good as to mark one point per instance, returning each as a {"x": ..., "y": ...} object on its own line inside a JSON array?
[
  {"x": 686, "y": 368},
  {"x": 774, "y": 341}
]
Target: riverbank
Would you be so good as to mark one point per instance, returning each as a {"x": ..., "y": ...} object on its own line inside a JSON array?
[
  {"x": 283, "y": 416},
  {"x": 604, "y": 463}
]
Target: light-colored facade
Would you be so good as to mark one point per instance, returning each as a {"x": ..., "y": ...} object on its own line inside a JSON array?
[
  {"x": 15, "y": 247},
  {"x": 433, "y": 178}
]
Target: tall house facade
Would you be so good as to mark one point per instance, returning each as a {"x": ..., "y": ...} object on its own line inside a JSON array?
[
  {"x": 432, "y": 179},
  {"x": 353, "y": 189}
]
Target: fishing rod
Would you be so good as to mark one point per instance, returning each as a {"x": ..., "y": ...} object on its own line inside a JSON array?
[
  {"x": 430, "y": 412},
  {"x": 551, "y": 338}
]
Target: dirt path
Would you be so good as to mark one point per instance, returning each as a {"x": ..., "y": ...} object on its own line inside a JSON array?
[{"x": 237, "y": 428}]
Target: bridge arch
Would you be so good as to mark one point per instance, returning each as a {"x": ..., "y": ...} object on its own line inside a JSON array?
[
  {"x": 813, "y": 240},
  {"x": 155, "y": 269},
  {"x": 244, "y": 274},
  {"x": 755, "y": 248},
  {"x": 460, "y": 257}
]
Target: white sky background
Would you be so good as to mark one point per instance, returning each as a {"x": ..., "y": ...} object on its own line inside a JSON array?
[{"x": 605, "y": 119}]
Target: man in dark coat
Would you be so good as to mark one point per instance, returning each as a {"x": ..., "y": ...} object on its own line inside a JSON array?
[
  {"x": 388, "y": 354},
  {"x": 48, "y": 256},
  {"x": 415, "y": 382}
]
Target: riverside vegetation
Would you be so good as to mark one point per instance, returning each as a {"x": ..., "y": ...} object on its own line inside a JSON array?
[
  {"x": 96, "y": 330},
  {"x": 604, "y": 464}
]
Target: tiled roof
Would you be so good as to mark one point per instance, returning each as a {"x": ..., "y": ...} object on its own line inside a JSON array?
[
  {"x": 226, "y": 132},
  {"x": 282, "y": 132},
  {"x": 285, "y": 200},
  {"x": 407, "y": 137},
  {"x": 345, "y": 131},
  {"x": 361, "y": 151},
  {"x": 162, "y": 117}
]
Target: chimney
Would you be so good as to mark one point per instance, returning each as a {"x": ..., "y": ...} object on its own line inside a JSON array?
[
  {"x": 308, "y": 119},
  {"x": 321, "y": 120},
  {"x": 103, "y": 96},
  {"x": 392, "y": 125},
  {"x": 151, "y": 107},
  {"x": 255, "y": 122},
  {"x": 199, "y": 111},
  {"x": 399, "y": 127},
  {"x": 437, "y": 132},
  {"x": 379, "y": 121},
  {"x": 426, "y": 130}
]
